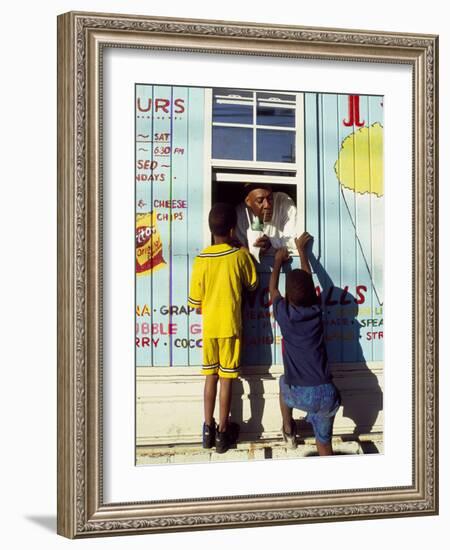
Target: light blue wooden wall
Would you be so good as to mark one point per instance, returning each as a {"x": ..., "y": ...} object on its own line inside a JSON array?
[
  {"x": 170, "y": 331},
  {"x": 346, "y": 225}
]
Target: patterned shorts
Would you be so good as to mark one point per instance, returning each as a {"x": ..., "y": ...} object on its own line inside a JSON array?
[{"x": 320, "y": 402}]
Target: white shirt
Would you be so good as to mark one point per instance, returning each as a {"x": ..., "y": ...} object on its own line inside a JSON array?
[{"x": 281, "y": 229}]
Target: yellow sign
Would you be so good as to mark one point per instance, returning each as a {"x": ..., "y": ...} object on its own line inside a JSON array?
[{"x": 359, "y": 166}]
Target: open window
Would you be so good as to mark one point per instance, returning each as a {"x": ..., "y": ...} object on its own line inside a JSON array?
[{"x": 232, "y": 190}]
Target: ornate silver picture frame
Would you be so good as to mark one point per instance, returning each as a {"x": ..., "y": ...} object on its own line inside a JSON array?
[{"x": 83, "y": 510}]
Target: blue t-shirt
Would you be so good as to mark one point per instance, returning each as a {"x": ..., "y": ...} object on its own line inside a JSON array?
[{"x": 304, "y": 353}]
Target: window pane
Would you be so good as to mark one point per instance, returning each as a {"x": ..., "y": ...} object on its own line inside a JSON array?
[
  {"x": 275, "y": 110},
  {"x": 232, "y": 143},
  {"x": 275, "y": 146},
  {"x": 233, "y": 106}
]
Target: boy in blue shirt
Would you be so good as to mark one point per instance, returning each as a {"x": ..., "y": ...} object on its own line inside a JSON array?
[{"x": 306, "y": 383}]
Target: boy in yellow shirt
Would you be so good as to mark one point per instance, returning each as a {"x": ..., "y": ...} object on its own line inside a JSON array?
[{"x": 219, "y": 275}]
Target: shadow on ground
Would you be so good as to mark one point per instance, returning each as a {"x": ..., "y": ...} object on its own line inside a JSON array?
[{"x": 46, "y": 522}]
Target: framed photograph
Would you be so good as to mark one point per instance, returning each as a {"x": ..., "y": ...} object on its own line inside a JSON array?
[{"x": 247, "y": 282}]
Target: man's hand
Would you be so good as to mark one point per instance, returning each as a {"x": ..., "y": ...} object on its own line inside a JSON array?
[
  {"x": 302, "y": 242},
  {"x": 263, "y": 243},
  {"x": 282, "y": 255}
]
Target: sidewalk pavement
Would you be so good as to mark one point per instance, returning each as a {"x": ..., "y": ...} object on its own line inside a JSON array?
[{"x": 263, "y": 450}]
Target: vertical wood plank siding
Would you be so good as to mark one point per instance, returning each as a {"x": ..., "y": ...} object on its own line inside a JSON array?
[
  {"x": 344, "y": 211},
  {"x": 347, "y": 220}
]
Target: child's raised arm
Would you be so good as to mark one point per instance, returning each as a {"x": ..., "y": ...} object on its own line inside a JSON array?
[
  {"x": 281, "y": 255},
  {"x": 301, "y": 243}
]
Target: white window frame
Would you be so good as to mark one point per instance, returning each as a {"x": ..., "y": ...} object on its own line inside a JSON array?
[{"x": 295, "y": 171}]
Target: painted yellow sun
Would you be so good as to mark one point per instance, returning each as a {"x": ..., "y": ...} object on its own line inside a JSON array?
[{"x": 359, "y": 166}]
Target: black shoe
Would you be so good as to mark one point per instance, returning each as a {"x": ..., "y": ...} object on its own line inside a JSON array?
[
  {"x": 209, "y": 435},
  {"x": 226, "y": 439}
]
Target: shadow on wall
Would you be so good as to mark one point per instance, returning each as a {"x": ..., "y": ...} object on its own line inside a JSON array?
[
  {"x": 252, "y": 429},
  {"x": 258, "y": 356},
  {"x": 362, "y": 396}
]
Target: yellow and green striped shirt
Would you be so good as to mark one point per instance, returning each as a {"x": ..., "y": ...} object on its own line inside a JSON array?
[{"x": 219, "y": 275}]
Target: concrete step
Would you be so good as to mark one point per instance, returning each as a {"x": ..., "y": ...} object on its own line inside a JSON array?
[{"x": 264, "y": 450}]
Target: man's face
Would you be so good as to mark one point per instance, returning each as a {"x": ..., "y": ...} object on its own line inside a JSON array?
[{"x": 260, "y": 202}]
